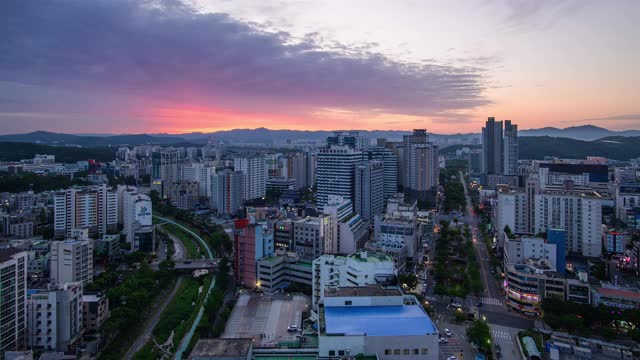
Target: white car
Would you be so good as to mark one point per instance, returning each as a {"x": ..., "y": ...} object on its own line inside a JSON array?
[
  {"x": 292, "y": 328},
  {"x": 452, "y": 358},
  {"x": 456, "y": 305},
  {"x": 443, "y": 340},
  {"x": 447, "y": 332}
]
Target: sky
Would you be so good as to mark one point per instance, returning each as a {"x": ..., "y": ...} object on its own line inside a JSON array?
[{"x": 171, "y": 66}]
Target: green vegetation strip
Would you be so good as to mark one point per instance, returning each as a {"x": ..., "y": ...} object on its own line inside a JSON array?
[{"x": 130, "y": 301}]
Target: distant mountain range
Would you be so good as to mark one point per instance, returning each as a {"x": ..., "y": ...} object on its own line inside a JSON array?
[
  {"x": 584, "y": 132},
  {"x": 281, "y": 137}
]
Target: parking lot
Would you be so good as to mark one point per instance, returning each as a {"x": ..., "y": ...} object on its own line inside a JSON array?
[{"x": 266, "y": 318}]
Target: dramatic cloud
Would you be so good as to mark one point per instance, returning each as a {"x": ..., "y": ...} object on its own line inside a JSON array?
[{"x": 167, "y": 54}]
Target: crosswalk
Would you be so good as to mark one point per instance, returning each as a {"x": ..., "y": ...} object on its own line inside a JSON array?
[
  {"x": 472, "y": 302},
  {"x": 499, "y": 334},
  {"x": 491, "y": 301}
]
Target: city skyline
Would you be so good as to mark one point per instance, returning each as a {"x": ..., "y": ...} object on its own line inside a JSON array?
[{"x": 173, "y": 67}]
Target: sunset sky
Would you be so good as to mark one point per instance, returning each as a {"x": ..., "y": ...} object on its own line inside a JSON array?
[{"x": 120, "y": 66}]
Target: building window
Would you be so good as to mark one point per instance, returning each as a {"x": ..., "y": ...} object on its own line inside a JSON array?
[
  {"x": 425, "y": 351},
  {"x": 405, "y": 352},
  {"x": 387, "y": 351},
  {"x": 341, "y": 352},
  {"x": 348, "y": 302},
  {"x": 332, "y": 353},
  {"x": 396, "y": 351},
  {"x": 416, "y": 351}
]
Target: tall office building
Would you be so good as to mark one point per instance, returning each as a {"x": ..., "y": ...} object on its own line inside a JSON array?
[
  {"x": 369, "y": 194},
  {"x": 297, "y": 169},
  {"x": 352, "y": 139},
  {"x": 492, "y": 147},
  {"x": 13, "y": 289},
  {"x": 137, "y": 214},
  {"x": 312, "y": 159},
  {"x": 336, "y": 172},
  {"x": 510, "y": 148},
  {"x": 71, "y": 261},
  {"x": 55, "y": 318},
  {"x": 227, "y": 191},
  {"x": 421, "y": 170},
  {"x": 390, "y": 163},
  {"x": 475, "y": 162},
  {"x": 255, "y": 171},
  {"x": 94, "y": 208},
  {"x": 164, "y": 165}
]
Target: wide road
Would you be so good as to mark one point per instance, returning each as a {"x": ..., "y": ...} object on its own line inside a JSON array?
[
  {"x": 491, "y": 289},
  {"x": 504, "y": 325}
]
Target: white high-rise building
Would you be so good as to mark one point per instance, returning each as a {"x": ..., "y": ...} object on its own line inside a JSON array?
[
  {"x": 360, "y": 269},
  {"x": 71, "y": 261},
  {"x": 137, "y": 217},
  {"x": 369, "y": 185},
  {"x": 578, "y": 212},
  {"x": 13, "y": 289},
  {"x": 510, "y": 148},
  {"x": 55, "y": 317},
  {"x": 94, "y": 208},
  {"x": 227, "y": 191},
  {"x": 421, "y": 166},
  {"x": 255, "y": 171},
  {"x": 511, "y": 210},
  {"x": 199, "y": 172},
  {"x": 390, "y": 163},
  {"x": 336, "y": 172}
]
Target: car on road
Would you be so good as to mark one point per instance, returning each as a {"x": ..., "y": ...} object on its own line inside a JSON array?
[
  {"x": 455, "y": 304},
  {"x": 292, "y": 328},
  {"x": 452, "y": 358},
  {"x": 443, "y": 340},
  {"x": 447, "y": 332}
]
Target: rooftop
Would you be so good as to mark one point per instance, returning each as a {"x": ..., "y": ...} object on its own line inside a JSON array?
[
  {"x": 400, "y": 320},
  {"x": 371, "y": 290},
  {"x": 221, "y": 348},
  {"x": 6, "y": 253},
  {"x": 370, "y": 256},
  {"x": 619, "y": 293}
]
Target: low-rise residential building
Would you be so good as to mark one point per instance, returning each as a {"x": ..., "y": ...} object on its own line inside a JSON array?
[
  {"x": 375, "y": 321},
  {"x": 397, "y": 232},
  {"x": 17, "y": 226},
  {"x": 95, "y": 311},
  {"x": 282, "y": 269},
  {"x": 252, "y": 243},
  {"x": 313, "y": 236},
  {"x": 71, "y": 261},
  {"x": 615, "y": 297},
  {"x": 55, "y": 317}
]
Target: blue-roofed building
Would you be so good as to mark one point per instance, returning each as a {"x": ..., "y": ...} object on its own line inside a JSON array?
[{"x": 374, "y": 320}]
